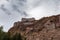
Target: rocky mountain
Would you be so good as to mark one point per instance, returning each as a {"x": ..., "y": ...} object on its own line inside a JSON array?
[{"x": 46, "y": 28}]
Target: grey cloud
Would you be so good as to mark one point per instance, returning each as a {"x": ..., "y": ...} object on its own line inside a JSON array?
[
  {"x": 5, "y": 10},
  {"x": 24, "y": 8}
]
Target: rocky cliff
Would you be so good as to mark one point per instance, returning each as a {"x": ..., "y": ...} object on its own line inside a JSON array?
[{"x": 46, "y": 28}]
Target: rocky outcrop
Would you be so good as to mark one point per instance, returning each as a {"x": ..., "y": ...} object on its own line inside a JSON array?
[{"x": 47, "y": 28}]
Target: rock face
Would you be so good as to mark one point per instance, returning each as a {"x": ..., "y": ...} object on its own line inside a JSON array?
[{"x": 47, "y": 28}]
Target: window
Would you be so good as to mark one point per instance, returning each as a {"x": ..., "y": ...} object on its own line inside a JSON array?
[{"x": 51, "y": 21}]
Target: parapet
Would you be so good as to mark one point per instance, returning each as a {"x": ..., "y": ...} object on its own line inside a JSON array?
[{"x": 28, "y": 19}]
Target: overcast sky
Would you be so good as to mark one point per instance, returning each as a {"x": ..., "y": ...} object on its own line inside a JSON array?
[{"x": 13, "y": 10}]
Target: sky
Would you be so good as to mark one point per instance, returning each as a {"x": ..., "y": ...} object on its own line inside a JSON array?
[{"x": 13, "y": 10}]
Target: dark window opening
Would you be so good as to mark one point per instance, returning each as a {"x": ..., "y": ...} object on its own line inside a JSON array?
[
  {"x": 48, "y": 24},
  {"x": 51, "y": 21}
]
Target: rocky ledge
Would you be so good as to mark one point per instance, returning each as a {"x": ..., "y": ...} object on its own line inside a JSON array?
[{"x": 46, "y": 28}]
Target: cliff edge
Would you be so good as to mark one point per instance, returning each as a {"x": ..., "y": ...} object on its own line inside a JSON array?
[{"x": 46, "y": 28}]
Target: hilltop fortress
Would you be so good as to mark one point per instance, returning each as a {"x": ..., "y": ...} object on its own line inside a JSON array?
[{"x": 47, "y": 28}]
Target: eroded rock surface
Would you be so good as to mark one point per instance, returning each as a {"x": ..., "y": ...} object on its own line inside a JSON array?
[{"x": 47, "y": 28}]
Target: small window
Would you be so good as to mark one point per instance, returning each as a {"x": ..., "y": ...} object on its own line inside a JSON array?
[{"x": 51, "y": 21}]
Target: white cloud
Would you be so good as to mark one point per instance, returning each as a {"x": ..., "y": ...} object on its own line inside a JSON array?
[
  {"x": 3, "y": 2},
  {"x": 45, "y": 8}
]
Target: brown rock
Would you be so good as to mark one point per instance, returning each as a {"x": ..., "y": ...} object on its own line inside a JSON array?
[{"x": 47, "y": 28}]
